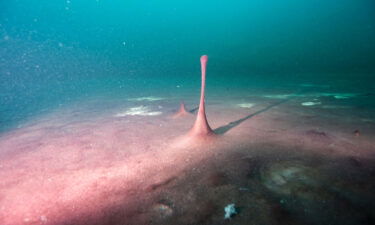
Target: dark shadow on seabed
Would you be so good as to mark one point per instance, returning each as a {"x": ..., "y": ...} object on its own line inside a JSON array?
[
  {"x": 193, "y": 110},
  {"x": 317, "y": 192},
  {"x": 226, "y": 128}
]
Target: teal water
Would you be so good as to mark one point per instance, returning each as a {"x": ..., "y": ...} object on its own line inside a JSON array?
[{"x": 55, "y": 52}]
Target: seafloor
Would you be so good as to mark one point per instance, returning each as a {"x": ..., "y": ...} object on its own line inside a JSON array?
[{"x": 280, "y": 157}]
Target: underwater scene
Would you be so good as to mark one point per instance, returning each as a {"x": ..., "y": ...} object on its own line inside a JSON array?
[{"x": 124, "y": 112}]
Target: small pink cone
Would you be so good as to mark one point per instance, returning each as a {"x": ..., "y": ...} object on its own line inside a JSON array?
[{"x": 182, "y": 111}]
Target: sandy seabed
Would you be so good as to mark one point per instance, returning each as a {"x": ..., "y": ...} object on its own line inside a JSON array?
[{"x": 278, "y": 161}]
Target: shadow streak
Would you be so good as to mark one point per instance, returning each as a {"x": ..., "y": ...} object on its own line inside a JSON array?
[
  {"x": 193, "y": 110},
  {"x": 229, "y": 126}
]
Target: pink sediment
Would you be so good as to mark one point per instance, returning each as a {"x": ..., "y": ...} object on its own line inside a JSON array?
[
  {"x": 201, "y": 127},
  {"x": 71, "y": 168},
  {"x": 182, "y": 111}
]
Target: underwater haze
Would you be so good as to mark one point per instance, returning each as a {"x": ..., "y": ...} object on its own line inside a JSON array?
[
  {"x": 130, "y": 112},
  {"x": 52, "y": 52}
]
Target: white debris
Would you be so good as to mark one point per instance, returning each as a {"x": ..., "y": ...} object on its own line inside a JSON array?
[
  {"x": 230, "y": 210},
  {"x": 163, "y": 210}
]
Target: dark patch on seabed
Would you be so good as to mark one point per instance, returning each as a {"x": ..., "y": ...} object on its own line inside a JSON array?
[{"x": 269, "y": 187}]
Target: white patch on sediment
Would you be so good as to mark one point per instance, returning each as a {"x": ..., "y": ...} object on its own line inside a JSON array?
[
  {"x": 316, "y": 95},
  {"x": 284, "y": 96},
  {"x": 314, "y": 85},
  {"x": 368, "y": 120},
  {"x": 339, "y": 95},
  {"x": 138, "y": 111},
  {"x": 343, "y": 96},
  {"x": 335, "y": 107},
  {"x": 149, "y": 98},
  {"x": 245, "y": 105},
  {"x": 310, "y": 103}
]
